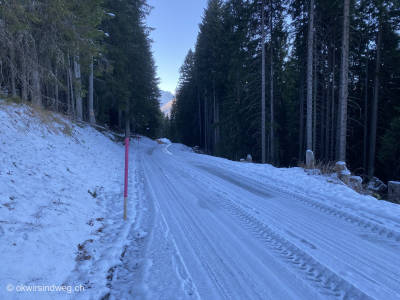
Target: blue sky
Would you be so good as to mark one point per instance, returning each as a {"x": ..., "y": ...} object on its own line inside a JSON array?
[{"x": 176, "y": 24}]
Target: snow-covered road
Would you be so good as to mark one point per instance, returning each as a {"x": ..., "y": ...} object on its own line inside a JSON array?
[{"x": 213, "y": 229}]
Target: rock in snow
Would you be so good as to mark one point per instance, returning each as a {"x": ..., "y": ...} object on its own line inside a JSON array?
[{"x": 377, "y": 186}]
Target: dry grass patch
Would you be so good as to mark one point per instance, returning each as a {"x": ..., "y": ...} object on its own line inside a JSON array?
[
  {"x": 46, "y": 117},
  {"x": 321, "y": 167}
]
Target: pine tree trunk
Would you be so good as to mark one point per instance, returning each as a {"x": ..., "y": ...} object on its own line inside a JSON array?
[
  {"x": 119, "y": 120},
  {"x": 328, "y": 104},
  {"x": 217, "y": 145},
  {"x": 12, "y": 81},
  {"x": 57, "y": 98},
  {"x": 374, "y": 120},
  {"x": 322, "y": 125},
  {"x": 205, "y": 122},
  {"x": 328, "y": 107},
  {"x": 365, "y": 154},
  {"x": 199, "y": 108},
  {"x": 24, "y": 78},
  {"x": 71, "y": 99},
  {"x": 12, "y": 73},
  {"x": 272, "y": 90},
  {"x": 333, "y": 124},
  {"x": 1, "y": 73},
  {"x": 338, "y": 124},
  {"x": 56, "y": 91},
  {"x": 53, "y": 98},
  {"x": 68, "y": 96},
  {"x": 314, "y": 143},
  {"x": 71, "y": 88},
  {"x": 301, "y": 134},
  {"x": 310, "y": 75},
  {"x": 72, "y": 102},
  {"x": 77, "y": 69},
  {"x": 214, "y": 121},
  {"x": 263, "y": 144},
  {"x": 215, "y": 117},
  {"x": 35, "y": 89},
  {"x": 92, "y": 119},
  {"x": 344, "y": 80},
  {"x": 46, "y": 93}
]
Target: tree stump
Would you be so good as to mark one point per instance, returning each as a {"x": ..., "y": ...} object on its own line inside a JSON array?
[
  {"x": 340, "y": 166},
  {"x": 309, "y": 159},
  {"x": 356, "y": 183},
  {"x": 345, "y": 176},
  {"x": 249, "y": 158},
  {"x": 342, "y": 172}
]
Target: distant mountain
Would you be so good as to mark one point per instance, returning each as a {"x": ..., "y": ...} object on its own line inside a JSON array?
[
  {"x": 165, "y": 98},
  {"x": 166, "y": 108}
]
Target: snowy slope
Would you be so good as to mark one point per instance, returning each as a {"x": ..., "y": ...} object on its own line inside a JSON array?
[{"x": 53, "y": 231}]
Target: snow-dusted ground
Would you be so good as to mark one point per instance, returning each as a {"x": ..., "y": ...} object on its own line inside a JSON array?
[{"x": 198, "y": 226}]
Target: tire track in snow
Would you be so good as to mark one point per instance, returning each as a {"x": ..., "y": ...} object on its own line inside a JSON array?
[
  {"x": 180, "y": 266},
  {"x": 168, "y": 195},
  {"x": 326, "y": 208},
  {"x": 327, "y": 281},
  {"x": 388, "y": 280},
  {"x": 212, "y": 251},
  {"x": 225, "y": 272},
  {"x": 310, "y": 269},
  {"x": 293, "y": 220}
]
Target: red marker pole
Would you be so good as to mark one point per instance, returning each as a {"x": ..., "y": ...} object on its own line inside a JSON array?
[{"x": 126, "y": 176}]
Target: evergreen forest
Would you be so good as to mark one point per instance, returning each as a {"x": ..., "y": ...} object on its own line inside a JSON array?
[
  {"x": 276, "y": 78},
  {"x": 268, "y": 78},
  {"x": 90, "y": 60}
]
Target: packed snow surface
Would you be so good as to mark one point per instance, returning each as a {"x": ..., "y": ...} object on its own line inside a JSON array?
[{"x": 198, "y": 227}]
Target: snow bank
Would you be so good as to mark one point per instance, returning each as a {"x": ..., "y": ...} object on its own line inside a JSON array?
[
  {"x": 165, "y": 140},
  {"x": 60, "y": 205}
]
